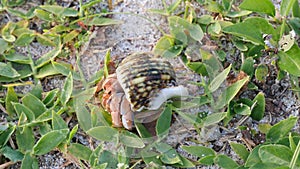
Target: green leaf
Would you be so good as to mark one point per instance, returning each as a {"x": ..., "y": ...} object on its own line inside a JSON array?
[
  {"x": 258, "y": 110},
  {"x": 11, "y": 96},
  {"x": 99, "y": 21},
  {"x": 181, "y": 29},
  {"x": 5, "y": 135},
  {"x": 253, "y": 157},
  {"x": 163, "y": 122},
  {"x": 7, "y": 70},
  {"x": 185, "y": 163},
  {"x": 168, "y": 154},
  {"x": 248, "y": 66},
  {"x": 80, "y": 151},
  {"x": 252, "y": 29},
  {"x": 67, "y": 90},
  {"x": 166, "y": 47},
  {"x": 58, "y": 122},
  {"x": 7, "y": 30},
  {"x": 49, "y": 141},
  {"x": 47, "y": 57},
  {"x": 20, "y": 108},
  {"x": 60, "y": 11},
  {"x": 225, "y": 162},
  {"x": 72, "y": 133},
  {"x": 18, "y": 58},
  {"x": 262, "y": 6},
  {"x": 290, "y": 60},
  {"x": 286, "y": 6},
  {"x": 43, "y": 15},
  {"x": 131, "y": 140},
  {"x": 25, "y": 139},
  {"x": 198, "y": 67},
  {"x": 242, "y": 109},
  {"x": 50, "y": 97},
  {"x": 34, "y": 104},
  {"x": 261, "y": 72},
  {"x": 25, "y": 39},
  {"x": 281, "y": 129},
  {"x": 214, "y": 118},
  {"x": 219, "y": 79},
  {"x": 12, "y": 155},
  {"x": 199, "y": 151},
  {"x": 240, "y": 149},
  {"x": 103, "y": 133},
  {"x": 230, "y": 93},
  {"x": 3, "y": 46},
  {"x": 70, "y": 36},
  {"x": 29, "y": 162},
  {"x": 82, "y": 113},
  {"x": 278, "y": 154}
]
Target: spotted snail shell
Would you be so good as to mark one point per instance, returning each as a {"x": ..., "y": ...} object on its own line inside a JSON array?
[{"x": 148, "y": 81}]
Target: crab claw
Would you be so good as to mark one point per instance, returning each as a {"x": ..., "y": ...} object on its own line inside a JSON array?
[
  {"x": 127, "y": 114},
  {"x": 115, "y": 109}
]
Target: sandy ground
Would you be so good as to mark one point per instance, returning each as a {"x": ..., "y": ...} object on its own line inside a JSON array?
[{"x": 137, "y": 34}]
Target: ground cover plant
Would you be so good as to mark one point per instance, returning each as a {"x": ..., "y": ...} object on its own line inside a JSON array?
[{"x": 37, "y": 122}]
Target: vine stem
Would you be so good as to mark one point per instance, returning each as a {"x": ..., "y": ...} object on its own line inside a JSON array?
[{"x": 295, "y": 157}]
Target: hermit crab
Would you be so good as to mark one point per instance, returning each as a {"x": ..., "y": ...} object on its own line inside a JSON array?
[{"x": 141, "y": 84}]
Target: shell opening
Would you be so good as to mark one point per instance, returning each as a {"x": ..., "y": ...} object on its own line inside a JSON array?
[{"x": 165, "y": 94}]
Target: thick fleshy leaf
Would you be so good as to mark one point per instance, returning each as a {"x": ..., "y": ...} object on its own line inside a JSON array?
[
  {"x": 11, "y": 97},
  {"x": 286, "y": 6},
  {"x": 29, "y": 162},
  {"x": 16, "y": 57},
  {"x": 5, "y": 135},
  {"x": 20, "y": 108},
  {"x": 24, "y": 39},
  {"x": 67, "y": 90},
  {"x": 80, "y": 151},
  {"x": 290, "y": 60},
  {"x": 219, "y": 79},
  {"x": 11, "y": 154},
  {"x": 258, "y": 110},
  {"x": 168, "y": 154},
  {"x": 131, "y": 140},
  {"x": 279, "y": 154},
  {"x": 99, "y": 21},
  {"x": 166, "y": 47},
  {"x": 214, "y": 118},
  {"x": 70, "y": 36},
  {"x": 58, "y": 122},
  {"x": 7, "y": 70},
  {"x": 181, "y": 29},
  {"x": 225, "y": 162},
  {"x": 252, "y": 29},
  {"x": 281, "y": 129},
  {"x": 103, "y": 133},
  {"x": 25, "y": 139},
  {"x": 34, "y": 104},
  {"x": 46, "y": 58},
  {"x": 60, "y": 11},
  {"x": 163, "y": 122},
  {"x": 7, "y": 30},
  {"x": 240, "y": 149},
  {"x": 82, "y": 113},
  {"x": 253, "y": 157},
  {"x": 230, "y": 93},
  {"x": 262, "y": 6},
  {"x": 3, "y": 46},
  {"x": 49, "y": 141}
]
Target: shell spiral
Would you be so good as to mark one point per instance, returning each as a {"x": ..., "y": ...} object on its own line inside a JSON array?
[{"x": 142, "y": 76}]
